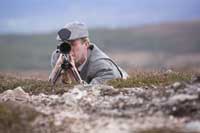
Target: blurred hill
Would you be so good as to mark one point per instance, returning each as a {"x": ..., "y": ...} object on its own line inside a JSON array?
[
  {"x": 27, "y": 52},
  {"x": 180, "y": 37}
]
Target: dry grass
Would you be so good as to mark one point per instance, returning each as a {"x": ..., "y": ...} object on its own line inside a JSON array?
[
  {"x": 150, "y": 78},
  {"x": 137, "y": 79},
  {"x": 32, "y": 86},
  {"x": 163, "y": 130}
]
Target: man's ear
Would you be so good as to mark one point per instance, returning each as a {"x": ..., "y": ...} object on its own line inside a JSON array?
[{"x": 87, "y": 44}]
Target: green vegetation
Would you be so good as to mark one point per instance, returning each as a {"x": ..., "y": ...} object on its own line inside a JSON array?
[
  {"x": 33, "y": 86},
  {"x": 16, "y": 118},
  {"x": 162, "y": 130},
  {"x": 149, "y": 79},
  {"x": 30, "y": 85}
]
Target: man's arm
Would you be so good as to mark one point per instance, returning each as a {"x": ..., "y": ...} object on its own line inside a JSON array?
[
  {"x": 56, "y": 71},
  {"x": 54, "y": 57}
]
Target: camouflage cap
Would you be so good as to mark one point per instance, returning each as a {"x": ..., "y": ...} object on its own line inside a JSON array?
[{"x": 72, "y": 31}]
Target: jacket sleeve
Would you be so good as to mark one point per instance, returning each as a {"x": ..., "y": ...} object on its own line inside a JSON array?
[
  {"x": 54, "y": 57},
  {"x": 103, "y": 70}
]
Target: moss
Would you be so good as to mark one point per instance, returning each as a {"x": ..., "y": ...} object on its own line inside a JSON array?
[
  {"x": 162, "y": 130},
  {"x": 149, "y": 79},
  {"x": 31, "y": 86},
  {"x": 16, "y": 118}
]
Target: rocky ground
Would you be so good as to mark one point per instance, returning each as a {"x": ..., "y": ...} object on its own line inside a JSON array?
[{"x": 173, "y": 108}]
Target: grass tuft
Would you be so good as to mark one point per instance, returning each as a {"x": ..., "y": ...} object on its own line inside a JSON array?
[
  {"x": 149, "y": 79},
  {"x": 31, "y": 86}
]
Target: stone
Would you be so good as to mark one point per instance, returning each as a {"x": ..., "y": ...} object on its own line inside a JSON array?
[
  {"x": 18, "y": 94},
  {"x": 193, "y": 126},
  {"x": 195, "y": 79},
  {"x": 177, "y": 85},
  {"x": 181, "y": 97}
]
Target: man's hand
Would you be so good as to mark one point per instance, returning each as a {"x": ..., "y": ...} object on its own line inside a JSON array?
[
  {"x": 71, "y": 60},
  {"x": 55, "y": 73}
]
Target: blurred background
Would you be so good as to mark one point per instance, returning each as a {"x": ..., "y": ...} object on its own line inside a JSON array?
[{"x": 136, "y": 34}]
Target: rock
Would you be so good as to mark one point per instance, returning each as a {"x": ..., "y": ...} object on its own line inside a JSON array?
[
  {"x": 18, "y": 94},
  {"x": 195, "y": 79},
  {"x": 176, "y": 85},
  {"x": 73, "y": 96},
  {"x": 109, "y": 92},
  {"x": 181, "y": 97},
  {"x": 78, "y": 94},
  {"x": 193, "y": 126},
  {"x": 7, "y": 95},
  {"x": 169, "y": 71},
  {"x": 101, "y": 108}
]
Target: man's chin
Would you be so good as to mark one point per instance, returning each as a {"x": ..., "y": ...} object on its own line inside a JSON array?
[{"x": 79, "y": 62}]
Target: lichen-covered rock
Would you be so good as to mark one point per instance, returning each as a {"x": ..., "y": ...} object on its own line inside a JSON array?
[
  {"x": 102, "y": 108},
  {"x": 193, "y": 126},
  {"x": 18, "y": 94}
]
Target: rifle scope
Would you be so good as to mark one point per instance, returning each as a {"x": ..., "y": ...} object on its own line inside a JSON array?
[{"x": 65, "y": 48}]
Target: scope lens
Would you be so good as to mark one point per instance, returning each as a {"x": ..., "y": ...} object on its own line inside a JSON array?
[{"x": 65, "y": 48}]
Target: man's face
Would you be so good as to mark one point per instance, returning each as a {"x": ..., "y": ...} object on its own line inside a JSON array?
[{"x": 78, "y": 51}]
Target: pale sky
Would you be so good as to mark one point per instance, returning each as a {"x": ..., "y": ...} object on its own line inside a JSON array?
[{"x": 35, "y": 16}]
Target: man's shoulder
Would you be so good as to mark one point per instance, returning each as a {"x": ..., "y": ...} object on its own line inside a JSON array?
[
  {"x": 97, "y": 54},
  {"x": 101, "y": 62},
  {"x": 98, "y": 59}
]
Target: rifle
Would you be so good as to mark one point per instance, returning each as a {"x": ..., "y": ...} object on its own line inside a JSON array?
[{"x": 63, "y": 65}]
